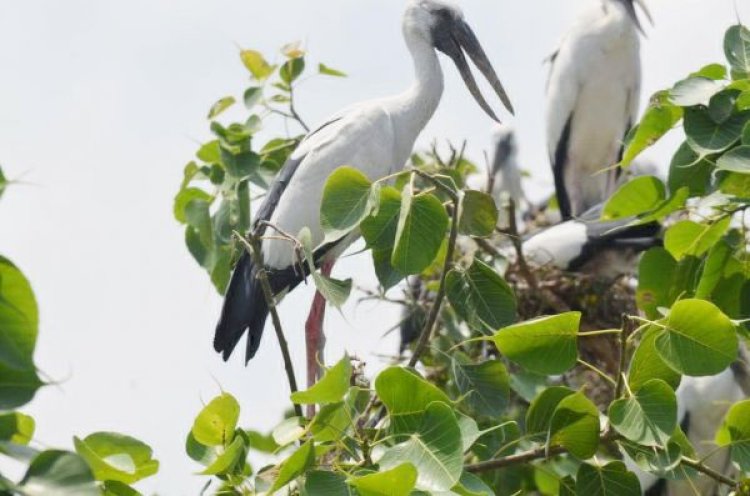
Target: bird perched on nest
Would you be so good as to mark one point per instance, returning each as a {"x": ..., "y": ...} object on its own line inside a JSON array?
[
  {"x": 587, "y": 244},
  {"x": 593, "y": 95}
]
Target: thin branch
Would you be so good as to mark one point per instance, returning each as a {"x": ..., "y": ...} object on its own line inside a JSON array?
[
  {"x": 706, "y": 470},
  {"x": 527, "y": 456},
  {"x": 429, "y": 327},
  {"x": 252, "y": 245},
  {"x": 293, "y": 110},
  {"x": 626, "y": 327}
]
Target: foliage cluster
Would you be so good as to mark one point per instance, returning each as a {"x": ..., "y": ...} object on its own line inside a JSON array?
[{"x": 487, "y": 412}]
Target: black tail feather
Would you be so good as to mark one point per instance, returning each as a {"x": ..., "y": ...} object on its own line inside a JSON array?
[{"x": 244, "y": 307}]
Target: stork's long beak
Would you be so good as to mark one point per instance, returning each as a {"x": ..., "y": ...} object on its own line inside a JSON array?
[{"x": 462, "y": 39}]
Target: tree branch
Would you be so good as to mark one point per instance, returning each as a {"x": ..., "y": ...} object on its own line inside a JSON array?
[{"x": 252, "y": 245}]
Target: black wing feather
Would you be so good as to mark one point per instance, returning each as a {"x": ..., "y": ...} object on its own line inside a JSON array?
[
  {"x": 245, "y": 306},
  {"x": 558, "y": 169}
]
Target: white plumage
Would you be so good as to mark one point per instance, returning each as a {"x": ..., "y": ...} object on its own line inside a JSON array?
[
  {"x": 377, "y": 138},
  {"x": 505, "y": 174},
  {"x": 592, "y": 100}
]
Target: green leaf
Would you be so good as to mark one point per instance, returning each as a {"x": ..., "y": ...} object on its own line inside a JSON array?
[
  {"x": 637, "y": 196},
  {"x": 697, "y": 339},
  {"x": 435, "y": 450},
  {"x": 114, "y": 488},
  {"x": 716, "y": 72},
  {"x": 486, "y": 386},
  {"x": 225, "y": 459},
  {"x": 347, "y": 201},
  {"x": 398, "y": 481},
  {"x": 575, "y": 426},
  {"x": 324, "y": 483},
  {"x": 117, "y": 457},
  {"x": 3, "y": 182},
  {"x": 16, "y": 428},
  {"x": 331, "y": 388},
  {"x": 647, "y": 364},
  {"x": 658, "y": 462},
  {"x": 328, "y": 71},
  {"x": 691, "y": 238},
  {"x": 19, "y": 319},
  {"x": 252, "y": 96},
  {"x": 256, "y": 64},
  {"x": 220, "y": 106},
  {"x": 406, "y": 396},
  {"x": 288, "y": 431},
  {"x": 694, "y": 91},
  {"x": 471, "y": 485},
  {"x": 649, "y": 417},
  {"x": 706, "y": 136},
  {"x": 17, "y": 387},
  {"x": 58, "y": 473},
  {"x": 478, "y": 214},
  {"x": 184, "y": 198},
  {"x": 335, "y": 291},
  {"x": 387, "y": 275},
  {"x": 292, "y": 69},
  {"x": 216, "y": 423},
  {"x": 547, "y": 345},
  {"x": 737, "y": 49},
  {"x": 379, "y": 229},
  {"x": 421, "y": 230},
  {"x": 660, "y": 117},
  {"x": 539, "y": 414},
  {"x": 613, "y": 479},
  {"x": 294, "y": 466},
  {"x": 735, "y": 433},
  {"x": 687, "y": 169},
  {"x": 735, "y": 160},
  {"x": 655, "y": 275},
  {"x": 264, "y": 443},
  {"x": 481, "y": 297}
]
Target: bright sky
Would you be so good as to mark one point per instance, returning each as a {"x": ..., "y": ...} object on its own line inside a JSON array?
[{"x": 103, "y": 104}]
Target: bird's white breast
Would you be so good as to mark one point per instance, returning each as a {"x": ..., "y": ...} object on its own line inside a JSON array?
[{"x": 363, "y": 138}]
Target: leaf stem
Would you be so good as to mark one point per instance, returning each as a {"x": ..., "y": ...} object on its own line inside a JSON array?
[
  {"x": 599, "y": 333},
  {"x": 626, "y": 323},
  {"x": 598, "y": 371},
  {"x": 252, "y": 245}
]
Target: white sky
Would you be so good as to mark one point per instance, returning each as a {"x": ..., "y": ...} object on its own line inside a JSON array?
[{"x": 102, "y": 103}]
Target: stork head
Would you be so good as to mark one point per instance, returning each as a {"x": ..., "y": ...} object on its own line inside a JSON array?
[
  {"x": 442, "y": 25},
  {"x": 504, "y": 139},
  {"x": 629, "y": 6}
]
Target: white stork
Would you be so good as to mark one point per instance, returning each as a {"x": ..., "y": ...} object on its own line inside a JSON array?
[
  {"x": 377, "y": 137},
  {"x": 593, "y": 95},
  {"x": 607, "y": 249},
  {"x": 505, "y": 175}
]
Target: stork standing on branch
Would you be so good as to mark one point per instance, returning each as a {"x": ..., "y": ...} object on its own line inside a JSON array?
[
  {"x": 376, "y": 137},
  {"x": 593, "y": 95}
]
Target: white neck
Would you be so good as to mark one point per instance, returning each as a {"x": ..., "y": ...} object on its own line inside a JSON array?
[{"x": 414, "y": 107}]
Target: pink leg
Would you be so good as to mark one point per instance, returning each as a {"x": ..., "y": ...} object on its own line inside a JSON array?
[{"x": 314, "y": 337}]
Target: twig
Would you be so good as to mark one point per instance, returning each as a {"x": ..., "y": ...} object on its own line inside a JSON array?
[
  {"x": 252, "y": 245},
  {"x": 428, "y": 330},
  {"x": 550, "y": 298},
  {"x": 519, "y": 458},
  {"x": 626, "y": 323},
  {"x": 293, "y": 110},
  {"x": 706, "y": 470},
  {"x": 543, "y": 452}
]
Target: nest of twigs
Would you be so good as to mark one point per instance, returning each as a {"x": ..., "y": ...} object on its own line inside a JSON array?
[{"x": 602, "y": 303}]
